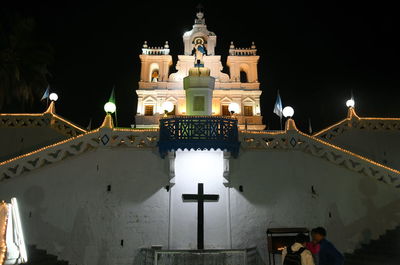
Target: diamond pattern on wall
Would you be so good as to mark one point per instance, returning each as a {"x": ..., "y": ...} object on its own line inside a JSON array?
[{"x": 105, "y": 139}]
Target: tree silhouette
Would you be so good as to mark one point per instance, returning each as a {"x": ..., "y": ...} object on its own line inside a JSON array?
[{"x": 23, "y": 63}]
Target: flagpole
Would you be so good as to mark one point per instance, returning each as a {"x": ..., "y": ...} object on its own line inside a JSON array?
[
  {"x": 112, "y": 99},
  {"x": 278, "y": 109},
  {"x": 116, "y": 118},
  {"x": 48, "y": 95}
]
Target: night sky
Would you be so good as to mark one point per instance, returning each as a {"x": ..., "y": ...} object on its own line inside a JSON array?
[{"x": 315, "y": 53}]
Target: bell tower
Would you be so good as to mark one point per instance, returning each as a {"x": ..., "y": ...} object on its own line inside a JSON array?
[
  {"x": 155, "y": 63},
  {"x": 242, "y": 63}
]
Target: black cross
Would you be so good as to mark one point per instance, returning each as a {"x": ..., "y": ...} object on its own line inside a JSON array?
[{"x": 200, "y": 198}]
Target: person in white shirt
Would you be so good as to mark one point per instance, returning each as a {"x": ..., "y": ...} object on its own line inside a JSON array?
[{"x": 298, "y": 254}]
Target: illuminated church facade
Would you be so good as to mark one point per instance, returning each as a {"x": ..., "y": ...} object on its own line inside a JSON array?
[
  {"x": 158, "y": 85},
  {"x": 183, "y": 186}
]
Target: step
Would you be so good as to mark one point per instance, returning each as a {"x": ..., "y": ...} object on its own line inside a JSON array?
[
  {"x": 367, "y": 263},
  {"x": 386, "y": 261},
  {"x": 364, "y": 252},
  {"x": 41, "y": 257},
  {"x": 373, "y": 259},
  {"x": 382, "y": 251}
]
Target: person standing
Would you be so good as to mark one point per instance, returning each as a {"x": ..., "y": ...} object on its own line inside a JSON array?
[
  {"x": 328, "y": 254},
  {"x": 314, "y": 247},
  {"x": 298, "y": 254}
]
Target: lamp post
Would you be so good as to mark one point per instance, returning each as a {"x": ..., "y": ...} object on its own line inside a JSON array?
[
  {"x": 53, "y": 97},
  {"x": 110, "y": 107},
  {"x": 167, "y": 106},
  {"x": 288, "y": 112},
  {"x": 350, "y": 103},
  {"x": 233, "y": 108}
]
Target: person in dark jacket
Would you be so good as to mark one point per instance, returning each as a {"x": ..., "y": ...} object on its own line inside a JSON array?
[{"x": 328, "y": 254}]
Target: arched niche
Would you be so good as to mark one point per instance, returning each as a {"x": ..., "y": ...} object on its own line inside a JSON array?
[
  {"x": 154, "y": 72},
  {"x": 244, "y": 73}
]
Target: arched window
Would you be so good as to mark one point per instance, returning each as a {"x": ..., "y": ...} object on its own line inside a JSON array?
[
  {"x": 244, "y": 72},
  {"x": 243, "y": 77},
  {"x": 154, "y": 72},
  {"x": 154, "y": 76}
]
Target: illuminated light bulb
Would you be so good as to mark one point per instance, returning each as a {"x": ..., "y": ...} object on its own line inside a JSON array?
[
  {"x": 110, "y": 107},
  {"x": 288, "y": 112},
  {"x": 168, "y": 106},
  {"x": 53, "y": 97},
  {"x": 234, "y": 107},
  {"x": 350, "y": 103}
]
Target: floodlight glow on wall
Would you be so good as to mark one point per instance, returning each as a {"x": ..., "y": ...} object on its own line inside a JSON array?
[
  {"x": 23, "y": 255},
  {"x": 288, "y": 112},
  {"x": 13, "y": 236},
  {"x": 53, "y": 97},
  {"x": 350, "y": 103},
  {"x": 234, "y": 107},
  {"x": 110, "y": 107},
  {"x": 190, "y": 169}
]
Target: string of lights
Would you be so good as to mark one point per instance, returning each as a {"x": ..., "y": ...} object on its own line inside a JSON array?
[{"x": 3, "y": 226}]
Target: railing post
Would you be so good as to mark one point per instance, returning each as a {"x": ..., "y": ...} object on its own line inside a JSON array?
[{"x": 155, "y": 257}]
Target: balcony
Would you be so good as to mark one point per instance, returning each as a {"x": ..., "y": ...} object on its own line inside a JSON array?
[
  {"x": 199, "y": 133},
  {"x": 251, "y": 122}
]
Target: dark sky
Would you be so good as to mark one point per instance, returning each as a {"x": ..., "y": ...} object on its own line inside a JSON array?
[{"x": 315, "y": 53}]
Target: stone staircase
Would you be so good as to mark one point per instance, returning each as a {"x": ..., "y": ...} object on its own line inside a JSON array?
[
  {"x": 383, "y": 251},
  {"x": 40, "y": 257}
]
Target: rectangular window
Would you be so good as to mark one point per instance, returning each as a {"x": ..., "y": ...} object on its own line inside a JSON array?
[
  {"x": 248, "y": 110},
  {"x": 198, "y": 103},
  {"x": 148, "y": 110},
  {"x": 225, "y": 110}
]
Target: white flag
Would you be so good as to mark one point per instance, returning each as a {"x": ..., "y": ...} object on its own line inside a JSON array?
[
  {"x": 46, "y": 93},
  {"x": 278, "y": 106}
]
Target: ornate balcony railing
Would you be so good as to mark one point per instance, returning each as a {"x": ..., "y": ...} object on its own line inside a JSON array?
[{"x": 198, "y": 132}]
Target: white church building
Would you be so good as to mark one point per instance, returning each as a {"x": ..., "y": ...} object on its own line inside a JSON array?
[
  {"x": 199, "y": 176},
  {"x": 157, "y": 85}
]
